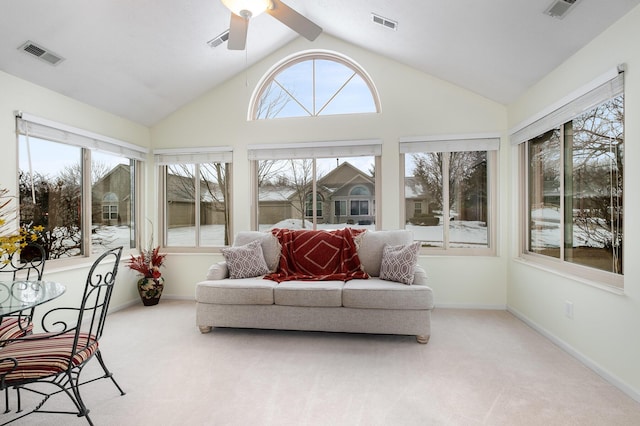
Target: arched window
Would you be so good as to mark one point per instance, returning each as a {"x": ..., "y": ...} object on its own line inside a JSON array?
[
  {"x": 110, "y": 206},
  {"x": 311, "y": 84},
  {"x": 360, "y": 190},
  {"x": 308, "y": 209}
]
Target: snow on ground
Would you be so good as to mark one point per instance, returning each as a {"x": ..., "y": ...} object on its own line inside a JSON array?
[{"x": 462, "y": 233}]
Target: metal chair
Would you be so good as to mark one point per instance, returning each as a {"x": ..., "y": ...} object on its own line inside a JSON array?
[
  {"x": 58, "y": 356},
  {"x": 28, "y": 264}
]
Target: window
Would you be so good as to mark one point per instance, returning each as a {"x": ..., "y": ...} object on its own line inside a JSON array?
[
  {"x": 80, "y": 186},
  {"x": 289, "y": 178},
  {"x": 110, "y": 206},
  {"x": 572, "y": 175},
  {"x": 196, "y": 197},
  {"x": 449, "y": 195},
  {"x": 309, "y": 206},
  {"x": 313, "y": 84}
]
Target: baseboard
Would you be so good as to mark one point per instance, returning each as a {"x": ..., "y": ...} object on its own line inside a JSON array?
[
  {"x": 588, "y": 362},
  {"x": 174, "y": 297},
  {"x": 471, "y": 306},
  {"x": 125, "y": 305}
]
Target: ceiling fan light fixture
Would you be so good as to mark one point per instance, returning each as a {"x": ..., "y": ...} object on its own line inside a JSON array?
[{"x": 247, "y": 8}]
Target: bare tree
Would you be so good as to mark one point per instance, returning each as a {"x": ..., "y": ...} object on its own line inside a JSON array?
[
  {"x": 272, "y": 101},
  {"x": 462, "y": 177},
  {"x": 301, "y": 180}
]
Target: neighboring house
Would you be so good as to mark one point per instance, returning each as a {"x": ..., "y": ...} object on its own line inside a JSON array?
[
  {"x": 181, "y": 202},
  {"x": 344, "y": 195},
  {"x": 111, "y": 197}
]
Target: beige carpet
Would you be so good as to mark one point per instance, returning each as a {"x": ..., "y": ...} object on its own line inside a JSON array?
[{"x": 480, "y": 368}]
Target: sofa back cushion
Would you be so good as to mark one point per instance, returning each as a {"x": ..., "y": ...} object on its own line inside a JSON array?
[
  {"x": 268, "y": 242},
  {"x": 371, "y": 244}
]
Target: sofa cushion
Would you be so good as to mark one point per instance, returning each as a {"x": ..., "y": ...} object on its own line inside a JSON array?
[
  {"x": 375, "y": 293},
  {"x": 245, "y": 261},
  {"x": 371, "y": 244},
  {"x": 399, "y": 262},
  {"x": 309, "y": 293},
  {"x": 268, "y": 243},
  {"x": 246, "y": 291}
]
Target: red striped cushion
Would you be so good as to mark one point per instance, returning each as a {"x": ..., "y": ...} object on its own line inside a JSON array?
[
  {"x": 10, "y": 329},
  {"x": 39, "y": 358}
]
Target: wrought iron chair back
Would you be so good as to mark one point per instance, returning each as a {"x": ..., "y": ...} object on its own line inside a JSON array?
[
  {"x": 87, "y": 321},
  {"x": 27, "y": 264},
  {"x": 74, "y": 332}
]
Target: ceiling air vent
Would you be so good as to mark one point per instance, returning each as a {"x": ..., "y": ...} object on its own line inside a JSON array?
[
  {"x": 41, "y": 53},
  {"x": 219, "y": 39},
  {"x": 388, "y": 23},
  {"x": 560, "y": 8}
]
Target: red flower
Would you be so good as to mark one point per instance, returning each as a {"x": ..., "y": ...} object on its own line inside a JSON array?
[{"x": 148, "y": 263}]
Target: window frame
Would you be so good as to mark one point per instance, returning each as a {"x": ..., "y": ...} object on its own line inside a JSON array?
[
  {"x": 196, "y": 157},
  {"x": 600, "y": 90},
  {"x": 584, "y": 273},
  {"x": 309, "y": 55},
  {"x": 485, "y": 142},
  {"x": 314, "y": 150},
  {"x": 29, "y": 125}
]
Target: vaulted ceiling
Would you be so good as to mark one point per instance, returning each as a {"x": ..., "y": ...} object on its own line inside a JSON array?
[{"x": 144, "y": 59}]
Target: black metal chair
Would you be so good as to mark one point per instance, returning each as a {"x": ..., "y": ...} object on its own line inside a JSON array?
[
  {"x": 58, "y": 356},
  {"x": 28, "y": 264}
]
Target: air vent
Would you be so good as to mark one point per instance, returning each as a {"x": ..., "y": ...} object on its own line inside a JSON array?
[
  {"x": 560, "y": 8},
  {"x": 41, "y": 53},
  {"x": 387, "y": 23},
  {"x": 219, "y": 39}
]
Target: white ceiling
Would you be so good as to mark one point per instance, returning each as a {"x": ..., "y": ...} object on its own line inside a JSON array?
[{"x": 144, "y": 59}]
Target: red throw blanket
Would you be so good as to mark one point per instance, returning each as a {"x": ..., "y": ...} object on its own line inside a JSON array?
[{"x": 317, "y": 255}]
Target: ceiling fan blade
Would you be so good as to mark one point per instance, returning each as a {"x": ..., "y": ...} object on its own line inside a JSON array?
[
  {"x": 294, "y": 20},
  {"x": 237, "y": 32}
]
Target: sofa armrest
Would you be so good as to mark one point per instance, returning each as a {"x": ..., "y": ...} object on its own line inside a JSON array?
[
  {"x": 420, "y": 276},
  {"x": 218, "y": 271}
]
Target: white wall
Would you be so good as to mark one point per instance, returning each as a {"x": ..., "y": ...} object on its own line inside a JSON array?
[
  {"x": 413, "y": 104},
  {"x": 20, "y": 95},
  {"x": 604, "y": 330}
]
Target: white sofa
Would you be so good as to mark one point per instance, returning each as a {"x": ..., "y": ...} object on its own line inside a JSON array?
[{"x": 368, "y": 305}]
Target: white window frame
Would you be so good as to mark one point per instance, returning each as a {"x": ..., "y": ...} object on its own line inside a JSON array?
[
  {"x": 30, "y": 125},
  {"x": 313, "y": 150},
  {"x": 489, "y": 142},
  {"x": 310, "y": 55},
  {"x": 190, "y": 156},
  {"x": 583, "y": 99}
]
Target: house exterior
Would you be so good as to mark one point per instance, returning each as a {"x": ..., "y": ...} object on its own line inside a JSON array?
[{"x": 111, "y": 197}]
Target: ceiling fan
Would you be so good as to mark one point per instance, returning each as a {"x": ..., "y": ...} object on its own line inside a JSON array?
[{"x": 243, "y": 10}]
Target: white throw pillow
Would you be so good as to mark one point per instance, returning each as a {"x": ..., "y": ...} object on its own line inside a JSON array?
[
  {"x": 218, "y": 271},
  {"x": 399, "y": 262},
  {"x": 245, "y": 261}
]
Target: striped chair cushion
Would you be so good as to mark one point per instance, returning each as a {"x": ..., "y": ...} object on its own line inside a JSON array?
[
  {"x": 10, "y": 329},
  {"x": 38, "y": 358}
]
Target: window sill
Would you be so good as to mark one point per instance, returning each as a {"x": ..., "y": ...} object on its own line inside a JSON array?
[{"x": 554, "y": 269}]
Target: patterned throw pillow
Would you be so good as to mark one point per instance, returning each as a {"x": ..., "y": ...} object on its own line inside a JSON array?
[
  {"x": 245, "y": 261},
  {"x": 399, "y": 262}
]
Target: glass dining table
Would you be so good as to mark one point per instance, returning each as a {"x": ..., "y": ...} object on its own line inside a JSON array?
[{"x": 17, "y": 296}]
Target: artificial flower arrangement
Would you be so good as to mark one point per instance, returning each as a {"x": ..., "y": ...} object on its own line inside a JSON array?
[{"x": 148, "y": 262}]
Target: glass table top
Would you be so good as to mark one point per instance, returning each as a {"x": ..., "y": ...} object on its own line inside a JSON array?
[{"x": 16, "y": 296}]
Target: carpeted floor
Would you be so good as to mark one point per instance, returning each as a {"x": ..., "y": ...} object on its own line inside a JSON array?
[{"x": 480, "y": 368}]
